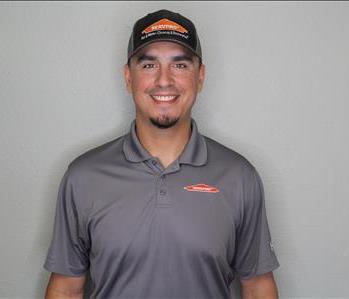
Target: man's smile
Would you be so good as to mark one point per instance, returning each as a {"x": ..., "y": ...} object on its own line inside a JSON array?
[{"x": 165, "y": 98}]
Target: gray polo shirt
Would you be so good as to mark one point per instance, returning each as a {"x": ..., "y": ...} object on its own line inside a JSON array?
[{"x": 148, "y": 232}]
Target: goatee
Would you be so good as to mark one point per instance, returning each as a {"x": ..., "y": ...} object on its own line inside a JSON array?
[{"x": 163, "y": 122}]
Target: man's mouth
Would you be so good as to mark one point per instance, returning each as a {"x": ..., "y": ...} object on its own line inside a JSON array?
[{"x": 164, "y": 98}]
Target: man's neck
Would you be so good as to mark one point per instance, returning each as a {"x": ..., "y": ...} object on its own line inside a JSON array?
[{"x": 165, "y": 144}]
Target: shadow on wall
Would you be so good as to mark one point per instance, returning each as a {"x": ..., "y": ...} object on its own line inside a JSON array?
[{"x": 88, "y": 286}]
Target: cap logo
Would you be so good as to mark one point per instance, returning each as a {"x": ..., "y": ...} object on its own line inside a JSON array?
[
  {"x": 165, "y": 24},
  {"x": 202, "y": 188}
]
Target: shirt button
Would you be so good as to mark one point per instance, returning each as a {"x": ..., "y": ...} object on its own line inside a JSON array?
[{"x": 162, "y": 192}]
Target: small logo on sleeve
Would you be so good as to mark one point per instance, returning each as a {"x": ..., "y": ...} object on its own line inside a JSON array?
[{"x": 202, "y": 188}]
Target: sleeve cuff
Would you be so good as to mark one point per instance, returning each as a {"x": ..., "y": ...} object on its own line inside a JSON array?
[{"x": 60, "y": 270}]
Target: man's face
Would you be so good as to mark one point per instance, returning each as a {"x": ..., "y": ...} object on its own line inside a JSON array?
[{"x": 164, "y": 79}]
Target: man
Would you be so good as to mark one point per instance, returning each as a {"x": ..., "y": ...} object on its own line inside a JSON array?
[{"x": 163, "y": 211}]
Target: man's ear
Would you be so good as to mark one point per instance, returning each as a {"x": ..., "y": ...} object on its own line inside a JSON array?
[
  {"x": 127, "y": 77},
  {"x": 202, "y": 73}
]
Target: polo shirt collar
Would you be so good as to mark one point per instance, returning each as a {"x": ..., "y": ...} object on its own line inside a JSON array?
[{"x": 194, "y": 153}]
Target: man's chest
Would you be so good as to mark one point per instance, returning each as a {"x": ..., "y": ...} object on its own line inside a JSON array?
[{"x": 160, "y": 213}]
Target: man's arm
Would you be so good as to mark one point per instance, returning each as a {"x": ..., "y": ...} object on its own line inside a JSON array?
[
  {"x": 261, "y": 287},
  {"x": 62, "y": 286}
]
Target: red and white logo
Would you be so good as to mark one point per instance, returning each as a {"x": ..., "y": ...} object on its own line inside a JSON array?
[
  {"x": 165, "y": 24},
  {"x": 201, "y": 188}
]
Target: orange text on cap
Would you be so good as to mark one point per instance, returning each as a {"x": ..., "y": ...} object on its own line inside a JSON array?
[{"x": 165, "y": 24}]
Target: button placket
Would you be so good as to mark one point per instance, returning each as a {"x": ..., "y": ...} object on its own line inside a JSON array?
[
  {"x": 162, "y": 196},
  {"x": 172, "y": 168},
  {"x": 154, "y": 165}
]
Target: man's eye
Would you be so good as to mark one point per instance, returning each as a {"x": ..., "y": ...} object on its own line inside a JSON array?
[
  {"x": 149, "y": 66},
  {"x": 180, "y": 65}
]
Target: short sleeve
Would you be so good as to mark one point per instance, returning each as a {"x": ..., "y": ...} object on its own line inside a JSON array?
[
  {"x": 68, "y": 251},
  {"x": 254, "y": 252}
]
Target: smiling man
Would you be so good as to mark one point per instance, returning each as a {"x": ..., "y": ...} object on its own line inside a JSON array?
[
  {"x": 164, "y": 79},
  {"x": 162, "y": 211}
]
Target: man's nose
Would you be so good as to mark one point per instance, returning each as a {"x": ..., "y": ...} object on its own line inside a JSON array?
[{"x": 164, "y": 76}]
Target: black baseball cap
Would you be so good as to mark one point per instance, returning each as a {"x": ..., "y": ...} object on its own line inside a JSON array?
[{"x": 164, "y": 25}]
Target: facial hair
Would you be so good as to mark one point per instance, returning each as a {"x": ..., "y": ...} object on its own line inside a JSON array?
[{"x": 164, "y": 122}]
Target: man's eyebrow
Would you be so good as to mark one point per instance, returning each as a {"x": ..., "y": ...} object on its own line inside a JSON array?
[
  {"x": 183, "y": 58},
  {"x": 177, "y": 58}
]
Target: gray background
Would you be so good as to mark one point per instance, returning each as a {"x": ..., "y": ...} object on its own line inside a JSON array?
[{"x": 276, "y": 91}]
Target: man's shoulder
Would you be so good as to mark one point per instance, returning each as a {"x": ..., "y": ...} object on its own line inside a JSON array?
[
  {"x": 224, "y": 156},
  {"x": 105, "y": 153}
]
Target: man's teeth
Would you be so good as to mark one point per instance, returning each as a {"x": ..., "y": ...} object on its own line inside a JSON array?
[{"x": 164, "y": 98}]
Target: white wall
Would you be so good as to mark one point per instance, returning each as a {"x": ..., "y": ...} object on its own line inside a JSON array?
[{"x": 276, "y": 91}]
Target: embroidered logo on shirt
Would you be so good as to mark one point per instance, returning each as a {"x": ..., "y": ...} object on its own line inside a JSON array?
[{"x": 202, "y": 188}]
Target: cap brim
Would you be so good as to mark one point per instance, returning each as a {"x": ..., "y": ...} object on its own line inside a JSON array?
[{"x": 162, "y": 40}]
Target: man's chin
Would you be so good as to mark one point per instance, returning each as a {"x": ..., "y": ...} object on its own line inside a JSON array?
[{"x": 163, "y": 122}]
